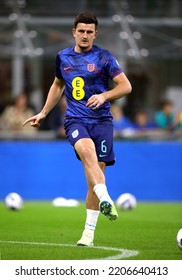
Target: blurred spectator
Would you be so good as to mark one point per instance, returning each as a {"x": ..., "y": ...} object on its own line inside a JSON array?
[
  {"x": 142, "y": 121},
  {"x": 56, "y": 118},
  {"x": 13, "y": 116},
  {"x": 178, "y": 120},
  {"x": 122, "y": 124},
  {"x": 165, "y": 117}
]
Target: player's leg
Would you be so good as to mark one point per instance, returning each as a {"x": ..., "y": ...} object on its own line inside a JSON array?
[
  {"x": 85, "y": 148},
  {"x": 92, "y": 201},
  {"x": 97, "y": 190},
  {"x": 92, "y": 214},
  {"x": 95, "y": 177}
]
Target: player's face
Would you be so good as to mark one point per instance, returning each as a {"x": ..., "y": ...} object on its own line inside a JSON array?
[{"x": 84, "y": 35}]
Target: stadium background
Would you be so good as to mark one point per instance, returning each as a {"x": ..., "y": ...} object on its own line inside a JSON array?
[{"x": 145, "y": 36}]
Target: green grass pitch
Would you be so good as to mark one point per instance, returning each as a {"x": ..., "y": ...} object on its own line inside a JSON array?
[{"x": 41, "y": 231}]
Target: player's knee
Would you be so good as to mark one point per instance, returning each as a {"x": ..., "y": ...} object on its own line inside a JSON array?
[{"x": 88, "y": 155}]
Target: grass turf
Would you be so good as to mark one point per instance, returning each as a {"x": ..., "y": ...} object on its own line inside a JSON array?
[{"x": 150, "y": 228}]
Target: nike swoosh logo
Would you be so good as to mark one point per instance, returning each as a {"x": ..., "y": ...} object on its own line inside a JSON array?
[
  {"x": 66, "y": 68},
  {"x": 102, "y": 155}
]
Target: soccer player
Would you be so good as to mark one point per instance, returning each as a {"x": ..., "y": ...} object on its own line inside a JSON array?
[{"x": 82, "y": 73}]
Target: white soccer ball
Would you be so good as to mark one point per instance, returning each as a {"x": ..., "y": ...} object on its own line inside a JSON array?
[
  {"x": 13, "y": 201},
  {"x": 126, "y": 201},
  {"x": 179, "y": 238}
]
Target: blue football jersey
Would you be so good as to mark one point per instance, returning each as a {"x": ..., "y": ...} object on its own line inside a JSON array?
[{"x": 86, "y": 74}]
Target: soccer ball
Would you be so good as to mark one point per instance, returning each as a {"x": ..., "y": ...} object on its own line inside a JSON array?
[
  {"x": 179, "y": 238},
  {"x": 13, "y": 201},
  {"x": 126, "y": 201}
]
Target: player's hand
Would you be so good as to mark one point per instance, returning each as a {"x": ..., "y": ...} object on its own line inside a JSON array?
[
  {"x": 35, "y": 120},
  {"x": 95, "y": 101}
]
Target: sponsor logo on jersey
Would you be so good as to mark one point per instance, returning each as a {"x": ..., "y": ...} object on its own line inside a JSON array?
[{"x": 90, "y": 67}]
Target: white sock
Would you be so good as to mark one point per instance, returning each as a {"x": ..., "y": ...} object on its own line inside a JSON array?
[
  {"x": 102, "y": 193},
  {"x": 91, "y": 220}
]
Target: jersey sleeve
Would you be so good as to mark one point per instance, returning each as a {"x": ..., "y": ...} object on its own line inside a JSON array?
[
  {"x": 58, "y": 70},
  {"x": 112, "y": 66}
]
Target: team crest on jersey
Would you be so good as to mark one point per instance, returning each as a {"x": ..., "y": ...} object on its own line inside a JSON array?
[
  {"x": 75, "y": 133},
  {"x": 90, "y": 67}
]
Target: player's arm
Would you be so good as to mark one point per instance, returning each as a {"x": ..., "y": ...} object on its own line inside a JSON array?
[
  {"x": 122, "y": 88},
  {"x": 54, "y": 94}
]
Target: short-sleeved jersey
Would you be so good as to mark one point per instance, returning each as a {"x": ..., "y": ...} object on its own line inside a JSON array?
[{"x": 86, "y": 74}]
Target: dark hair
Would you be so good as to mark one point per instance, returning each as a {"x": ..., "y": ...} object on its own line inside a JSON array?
[
  {"x": 86, "y": 17},
  {"x": 165, "y": 102}
]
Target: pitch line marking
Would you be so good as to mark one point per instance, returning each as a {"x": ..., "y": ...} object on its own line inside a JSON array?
[{"x": 124, "y": 253}]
